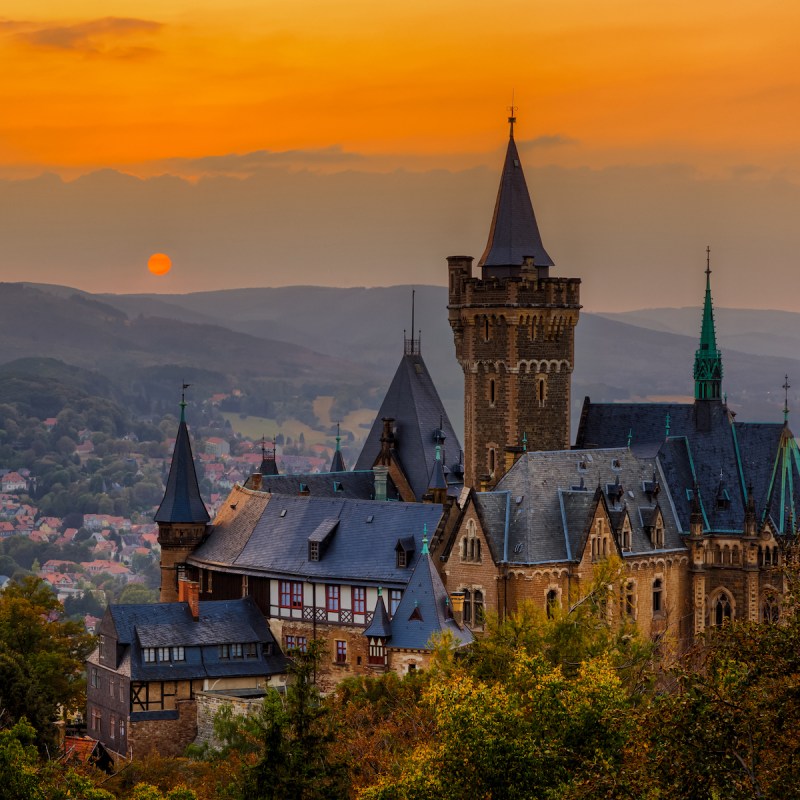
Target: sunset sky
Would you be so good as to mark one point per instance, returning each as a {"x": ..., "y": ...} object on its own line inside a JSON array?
[{"x": 647, "y": 131}]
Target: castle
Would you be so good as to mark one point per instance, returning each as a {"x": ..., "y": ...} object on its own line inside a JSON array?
[{"x": 417, "y": 541}]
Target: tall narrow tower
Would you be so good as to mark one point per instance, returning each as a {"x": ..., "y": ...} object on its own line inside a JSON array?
[
  {"x": 182, "y": 516},
  {"x": 514, "y": 330}
]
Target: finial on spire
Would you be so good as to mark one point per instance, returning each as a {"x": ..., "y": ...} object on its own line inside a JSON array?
[
  {"x": 412, "y": 345},
  {"x": 630, "y": 437},
  {"x": 666, "y": 436},
  {"x": 263, "y": 447},
  {"x": 338, "y": 437},
  {"x": 512, "y": 116},
  {"x": 708, "y": 261},
  {"x": 184, "y": 387},
  {"x": 425, "y": 550},
  {"x": 524, "y": 442},
  {"x": 786, "y": 387}
]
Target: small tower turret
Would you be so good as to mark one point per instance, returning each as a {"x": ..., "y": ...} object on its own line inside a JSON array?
[
  {"x": 182, "y": 516},
  {"x": 337, "y": 462}
]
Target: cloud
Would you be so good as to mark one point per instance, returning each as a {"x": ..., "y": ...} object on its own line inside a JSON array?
[
  {"x": 250, "y": 163},
  {"x": 108, "y": 36},
  {"x": 550, "y": 140}
]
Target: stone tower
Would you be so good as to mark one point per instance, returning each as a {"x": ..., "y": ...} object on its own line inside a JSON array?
[
  {"x": 514, "y": 329},
  {"x": 182, "y": 516}
]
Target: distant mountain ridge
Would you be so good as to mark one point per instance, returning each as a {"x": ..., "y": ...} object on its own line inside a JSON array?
[{"x": 352, "y": 335}]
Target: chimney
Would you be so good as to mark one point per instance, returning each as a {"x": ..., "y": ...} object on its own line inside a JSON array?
[
  {"x": 457, "y": 603},
  {"x": 381, "y": 479},
  {"x": 255, "y": 482},
  {"x": 193, "y": 598},
  {"x": 182, "y": 590}
]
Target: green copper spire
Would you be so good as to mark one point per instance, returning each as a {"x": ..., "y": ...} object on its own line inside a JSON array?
[
  {"x": 707, "y": 359},
  {"x": 425, "y": 550}
]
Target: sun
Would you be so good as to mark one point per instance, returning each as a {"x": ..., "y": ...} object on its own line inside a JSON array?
[{"x": 159, "y": 264}]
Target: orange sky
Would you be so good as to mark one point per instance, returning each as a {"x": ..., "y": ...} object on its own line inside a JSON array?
[
  {"x": 91, "y": 83},
  {"x": 359, "y": 143}
]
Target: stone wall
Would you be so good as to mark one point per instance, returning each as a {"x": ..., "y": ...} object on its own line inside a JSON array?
[
  {"x": 209, "y": 703},
  {"x": 167, "y": 737}
]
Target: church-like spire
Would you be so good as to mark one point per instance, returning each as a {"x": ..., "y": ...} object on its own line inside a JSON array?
[
  {"x": 514, "y": 233},
  {"x": 707, "y": 358},
  {"x": 337, "y": 462},
  {"x": 269, "y": 463},
  {"x": 182, "y": 501}
]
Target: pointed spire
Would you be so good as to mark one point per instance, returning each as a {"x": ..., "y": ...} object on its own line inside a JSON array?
[
  {"x": 514, "y": 233},
  {"x": 182, "y": 501},
  {"x": 438, "y": 479},
  {"x": 337, "y": 462},
  {"x": 786, "y": 387},
  {"x": 707, "y": 358},
  {"x": 425, "y": 551}
]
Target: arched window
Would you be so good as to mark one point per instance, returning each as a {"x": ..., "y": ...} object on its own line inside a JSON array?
[
  {"x": 467, "y": 606},
  {"x": 542, "y": 390},
  {"x": 551, "y": 602},
  {"x": 471, "y": 549},
  {"x": 723, "y": 610},
  {"x": 492, "y": 391},
  {"x": 775, "y": 556},
  {"x": 658, "y": 600},
  {"x": 464, "y": 545},
  {"x": 770, "y": 609},
  {"x": 477, "y": 549},
  {"x": 486, "y": 329},
  {"x": 491, "y": 460}
]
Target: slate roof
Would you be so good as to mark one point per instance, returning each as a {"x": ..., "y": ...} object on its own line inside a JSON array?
[
  {"x": 514, "y": 232},
  {"x": 171, "y": 624},
  {"x": 413, "y": 402},
  {"x": 380, "y": 625},
  {"x": 723, "y": 455},
  {"x": 272, "y": 538},
  {"x": 424, "y": 611},
  {"x": 182, "y": 501},
  {"x": 548, "y": 513},
  {"x": 357, "y": 484}
]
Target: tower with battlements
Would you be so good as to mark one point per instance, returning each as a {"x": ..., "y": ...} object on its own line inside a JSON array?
[{"x": 514, "y": 329}]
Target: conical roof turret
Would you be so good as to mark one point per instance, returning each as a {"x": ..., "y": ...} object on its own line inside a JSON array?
[
  {"x": 182, "y": 501},
  {"x": 514, "y": 233}
]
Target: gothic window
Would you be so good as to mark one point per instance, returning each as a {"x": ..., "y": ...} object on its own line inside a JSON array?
[
  {"x": 541, "y": 390},
  {"x": 659, "y": 535},
  {"x": 491, "y": 460},
  {"x": 658, "y": 598},
  {"x": 486, "y": 331},
  {"x": 464, "y": 546},
  {"x": 770, "y": 610},
  {"x": 492, "y": 392},
  {"x": 723, "y": 610},
  {"x": 551, "y": 602},
  {"x": 626, "y": 537}
]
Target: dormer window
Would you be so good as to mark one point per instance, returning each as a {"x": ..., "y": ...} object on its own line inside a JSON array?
[
  {"x": 320, "y": 538},
  {"x": 404, "y": 552}
]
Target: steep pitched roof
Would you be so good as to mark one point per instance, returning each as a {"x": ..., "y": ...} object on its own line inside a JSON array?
[
  {"x": 355, "y": 484},
  {"x": 171, "y": 624},
  {"x": 424, "y": 610},
  {"x": 182, "y": 501},
  {"x": 550, "y": 503},
  {"x": 274, "y": 540},
  {"x": 514, "y": 232},
  {"x": 723, "y": 455},
  {"x": 413, "y": 402}
]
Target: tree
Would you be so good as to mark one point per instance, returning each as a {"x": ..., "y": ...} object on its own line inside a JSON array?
[
  {"x": 41, "y": 657},
  {"x": 287, "y": 744}
]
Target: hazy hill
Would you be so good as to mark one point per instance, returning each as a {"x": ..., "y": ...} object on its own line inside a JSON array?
[{"x": 242, "y": 335}]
